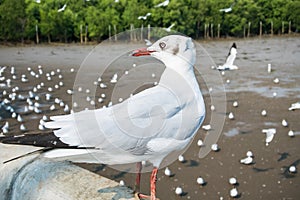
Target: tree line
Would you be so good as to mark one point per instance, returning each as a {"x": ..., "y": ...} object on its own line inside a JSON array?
[{"x": 67, "y": 20}]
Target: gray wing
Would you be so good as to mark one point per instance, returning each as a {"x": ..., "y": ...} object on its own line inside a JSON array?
[{"x": 129, "y": 125}]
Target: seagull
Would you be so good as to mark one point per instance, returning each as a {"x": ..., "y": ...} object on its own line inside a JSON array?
[
  {"x": 230, "y": 59},
  {"x": 233, "y": 181},
  {"x": 234, "y": 192},
  {"x": 114, "y": 78},
  {"x": 144, "y": 17},
  {"x": 206, "y": 127},
  {"x": 181, "y": 158},
  {"x": 231, "y": 116},
  {"x": 168, "y": 172},
  {"x": 269, "y": 134},
  {"x": 169, "y": 28},
  {"x": 163, "y": 4},
  {"x": 284, "y": 123},
  {"x": 235, "y": 104},
  {"x": 200, "y": 181},
  {"x": 147, "y": 126},
  {"x": 62, "y": 9},
  {"x": 249, "y": 159},
  {"x": 2, "y": 70},
  {"x": 148, "y": 42},
  {"x": 178, "y": 191},
  {"x": 226, "y": 10},
  {"x": 295, "y": 106}
]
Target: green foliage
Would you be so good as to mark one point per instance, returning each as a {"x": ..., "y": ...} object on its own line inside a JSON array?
[
  {"x": 12, "y": 20},
  {"x": 19, "y": 18}
]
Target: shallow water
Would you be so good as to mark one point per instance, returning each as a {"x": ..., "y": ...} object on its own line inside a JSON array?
[{"x": 232, "y": 132}]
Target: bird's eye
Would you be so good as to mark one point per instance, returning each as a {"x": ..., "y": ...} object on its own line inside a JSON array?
[{"x": 162, "y": 45}]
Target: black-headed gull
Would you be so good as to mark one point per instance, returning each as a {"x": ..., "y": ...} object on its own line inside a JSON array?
[
  {"x": 230, "y": 59},
  {"x": 145, "y": 127}
]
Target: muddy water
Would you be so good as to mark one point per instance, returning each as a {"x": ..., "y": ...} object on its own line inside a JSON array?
[{"x": 252, "y": 86}]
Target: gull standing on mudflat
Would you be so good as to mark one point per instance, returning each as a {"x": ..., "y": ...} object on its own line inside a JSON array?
[{"x": 145, "y": 127}]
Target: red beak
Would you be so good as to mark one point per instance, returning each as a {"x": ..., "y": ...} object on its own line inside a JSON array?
[{"x": 141, "y": 52}]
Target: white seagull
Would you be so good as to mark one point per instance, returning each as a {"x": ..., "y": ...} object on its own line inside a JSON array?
[
  {"x": 148, "y": 42},
  {"x": 162, "y": 4},
  {"x": 295, "y": 106},
  {"x": 226, "y": 10},
  {"x": 144, "y": 17},
  {"x": 230, "y": 59},
  {"x": 169, "y": 28},
  {"x": 145, "y": 127},
  {"x": 62, "y": 9},
  {"x": 269, "y": 134}
]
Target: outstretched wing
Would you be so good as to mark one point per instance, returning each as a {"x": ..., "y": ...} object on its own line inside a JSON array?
[{"x": 231, "y": 56}]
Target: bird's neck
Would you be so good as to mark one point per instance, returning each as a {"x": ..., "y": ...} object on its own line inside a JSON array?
[{"x": 181, "y": 80}]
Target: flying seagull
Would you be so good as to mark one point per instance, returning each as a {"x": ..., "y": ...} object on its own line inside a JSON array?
[
  {"x": 62, "y": 9},
  {"x": 163, "y": 4},
  {"x": 147, "y": 126},
  {"x": 230, "y": 59},
  {"x": 144, "y": 17},
  {"x": 226, "y": 10},
  {"x": 148, "y": 42},
  {"x": 169, "y": 28}
]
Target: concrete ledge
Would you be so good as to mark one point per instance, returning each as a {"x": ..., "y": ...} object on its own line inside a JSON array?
[{"x": 32, "y": 177}]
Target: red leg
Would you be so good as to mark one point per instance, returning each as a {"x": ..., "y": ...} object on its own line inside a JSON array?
[
  {"x": 153, "y": 183},
  {"x": 138, "y": 177},
  {"x": 152, "y": 187}
]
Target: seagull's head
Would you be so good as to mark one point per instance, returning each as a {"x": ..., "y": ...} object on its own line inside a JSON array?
[{"x": 171, "y": 49}]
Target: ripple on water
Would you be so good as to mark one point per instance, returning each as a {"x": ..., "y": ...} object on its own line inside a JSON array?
[
  {"x": 232, "y": 132},
  {"x": 270, "y": 124}
]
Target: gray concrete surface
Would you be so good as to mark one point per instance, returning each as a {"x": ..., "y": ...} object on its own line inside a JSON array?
[{"x": 36, "y": 178}]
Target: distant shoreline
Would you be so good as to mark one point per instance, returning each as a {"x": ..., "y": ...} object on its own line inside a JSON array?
[{"x": 93, "y": 43}]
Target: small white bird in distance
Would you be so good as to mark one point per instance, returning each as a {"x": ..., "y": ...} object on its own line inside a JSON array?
[
  {"x": 284, "y": 123},
  {"x": 231, "y": 116},
  {"x": 168, "y": 172},
  {"x": 148, "y": 42},
  {"x": 235, "y": 104},
  {"x": 206, "y": 127},
  {"x": 226, "y": 10},
  {"x": 263, "y": 112},
  {"x": 169, "y": 28},
  {"x": 144, "y": 17},
  {"x": 247, "y": 161},
  {"x": 62, "y": 9},
  {"x": 269, "y": 134},
  {"x": 295, "y": 106},
  {"x": 178, "y": 191},
  {"x": 163, "y": 4},
  {"x": 234, "y": 192}
]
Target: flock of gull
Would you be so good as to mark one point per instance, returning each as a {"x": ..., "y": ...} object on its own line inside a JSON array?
[{"x": 17, "y": 103}]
